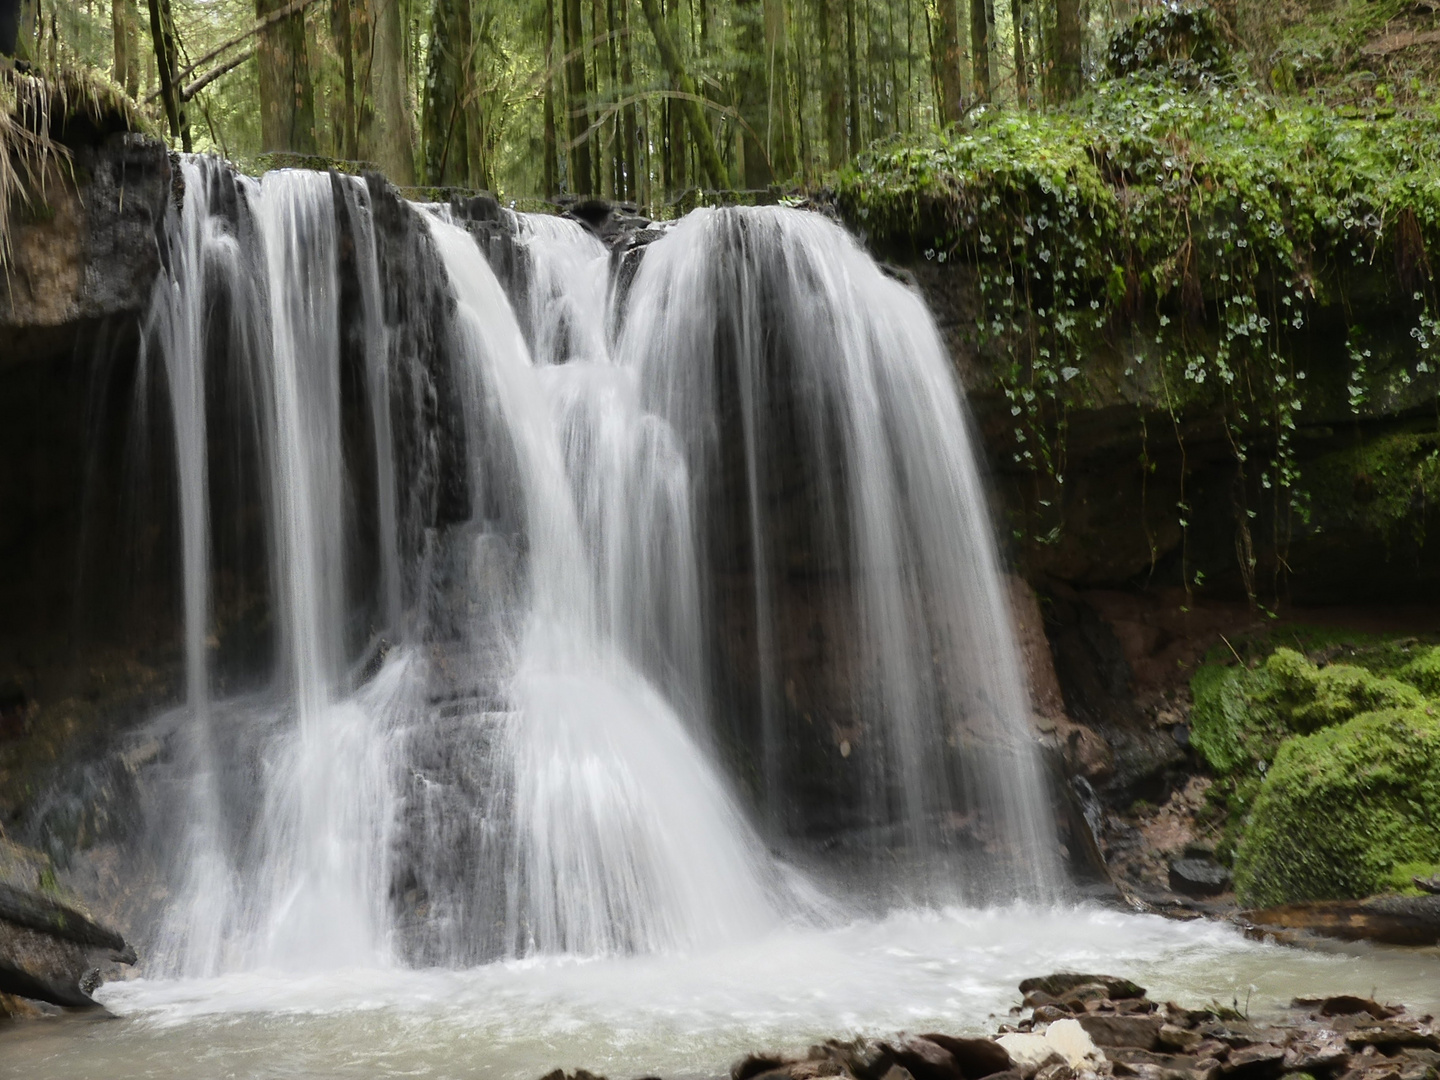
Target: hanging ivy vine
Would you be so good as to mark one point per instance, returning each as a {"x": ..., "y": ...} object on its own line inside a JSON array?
[{"x": 1186, "y": 221}]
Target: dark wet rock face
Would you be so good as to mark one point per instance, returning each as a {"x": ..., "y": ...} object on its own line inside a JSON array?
[
  {"x": 50, "y": 948},
  {"x": 1198, "y": 877}
]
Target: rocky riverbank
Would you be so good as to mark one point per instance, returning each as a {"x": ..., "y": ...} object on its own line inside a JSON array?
[{"x": 1073, "y": 1026}]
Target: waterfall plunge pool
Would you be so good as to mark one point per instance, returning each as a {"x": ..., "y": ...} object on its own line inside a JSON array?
[{"x": 680, "y": 1015}]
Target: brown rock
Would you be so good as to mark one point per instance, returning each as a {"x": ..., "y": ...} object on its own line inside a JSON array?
[
  {"x": 1046, "y": 1014},
  {"x": 1062, "y": 982},
  {"x": 897, "y": 1072},
  {"x": 1174, "y": 1037},
  {"x": 1316, "y": 1055},
  {"x": 926, "y": 1060},
  {"x": 1035, "y": 998},
  {"x": 1213, "y": 1048},
  {"x": 1085, "y": 994},
  {"x": 1388, "y": 1034},
  {"x": 1133, "y": 1006},
  {"x": 748, "y": 1067},
  {"x": 1259, "y": 1060},
  {"x": 1348, "y": 1005},
  {"x": 977, "y": 1058},
  {"x": 1137, "y": 1031}
]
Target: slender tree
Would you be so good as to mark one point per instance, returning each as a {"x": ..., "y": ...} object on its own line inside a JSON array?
[
  {"x": 551, "y": 174},
  {"x": 852, "y": 78},
  {"x": 979, "y": 50},
  {"x": 753, "y": 93},
  {"x": 1022, "y": 74},
  {"x": 287, "y": 96},
  {"x": 394, "y": 137},
  {"x": 947, "y": 60},
  {"x": 635, "y": 165},
  {"x": 167, "y": 64},
  {"x": 125, "y": 28},
  {"x": 778, "y": 131},
  {"x": 341, "y": 36},
  {"x": 832, "y": 79},
  {"x": 582, "y": 177},
  {"x": 447, "y": 94},
  {"x": 691, "y": 105},
  {"x": 1067, "y": 49}
]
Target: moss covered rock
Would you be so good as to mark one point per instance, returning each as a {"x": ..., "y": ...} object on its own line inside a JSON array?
[
  {"x": 1343, "y": 809},
  {"x": 1243, "y": 715}
]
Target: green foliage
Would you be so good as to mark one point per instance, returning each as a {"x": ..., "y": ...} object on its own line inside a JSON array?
[
  {"x": 1190, "y": 231},
  {"x": 1343, "y": 809},
  {"x": 1248, "y": 719},
  {"x": 1241, "y": 716},
  {"x": 1381, "y": 486},
  {"x": 1177, "y": 41}
]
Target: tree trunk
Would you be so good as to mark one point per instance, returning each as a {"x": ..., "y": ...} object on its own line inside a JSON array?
[
  {"x": 394, "y": 135},
  {"x": 832, "y": 80},
  {"x": 447, "y": 146},
  {"x": 948, "y": 47},
  {"x": 691, "y": 107},
  {"x": 1067, "y": 49},
  {"x": 752, "y": 93},
  {"x": 852, "y": 72},
  {"x": 581, "y": 172},
  {"x": 341, "y": 35},
  {"x": 616, "y": 139},
  {"x": 287, "y": 99},
  {"x": 627, "y": 79},
  {"x": 124, "y": 26},
  {"x": 1022, "y": 75},
  {"x": 979, "y": 50},
  {"x": 552, "y": 180},
  {"x": 779, "y": 136},
  {"x": 362, "y": 43},
  {"x": 162, "y": 33}
]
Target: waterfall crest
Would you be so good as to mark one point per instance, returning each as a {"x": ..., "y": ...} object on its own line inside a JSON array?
[{"x": 561, "y": 583}]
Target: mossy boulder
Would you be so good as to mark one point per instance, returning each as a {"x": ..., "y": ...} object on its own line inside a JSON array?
[
  {"x": 1344, "y": 812},
  {"x": 1243, "y": 715}
]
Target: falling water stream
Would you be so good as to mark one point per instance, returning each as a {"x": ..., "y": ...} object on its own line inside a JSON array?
[{"x": 635, "y": 682}]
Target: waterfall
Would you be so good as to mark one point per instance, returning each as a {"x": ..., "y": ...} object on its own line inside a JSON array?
[
  {"x": 833, "y": 465},
  {"x": 581, "y": 602}
]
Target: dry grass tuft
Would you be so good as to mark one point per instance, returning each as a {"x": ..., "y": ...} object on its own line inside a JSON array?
[{"x": 36, "y": 110}]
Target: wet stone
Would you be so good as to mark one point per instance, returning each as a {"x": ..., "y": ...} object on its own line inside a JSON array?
[
  {"x": 1174, "y": 1037},
  {"x": 1137, "y": 1031},
  {"x": 1061, "y": 983},
  {"x": 1259, "y": 1060}
]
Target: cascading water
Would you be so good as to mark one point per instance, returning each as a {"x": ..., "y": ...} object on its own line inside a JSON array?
[
  {"x": 833, "y": 468},
  {"x": 556, "y": 578}
]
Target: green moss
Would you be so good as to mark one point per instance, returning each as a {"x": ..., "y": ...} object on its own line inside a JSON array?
[
  {"x": 1381, "y": 486},
  {"x": 1341, "y": 809},
  {"x": 1241, "y": 716},
  {"x": 1168, "y": 241},
  {"x": 1403, "y": 875}
]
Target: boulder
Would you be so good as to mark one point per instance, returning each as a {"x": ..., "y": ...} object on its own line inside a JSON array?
[
  {"x": 1253, "y": 1062},
  {"x": 49, "y": 945},
  {"x": 924, "y": 1059},
  {"x": 1064, "y": 1039},
  {"x": 1390, "y": 920},
  {"x": 1061, "y": 983},
  {"x": 976, "y": 1057},
  {"x": 1349, "y": 1005},
  {"x": 1134, "y": 1031},
  {"x": 1198, "y": 877},
  {"x": 1174, "y": 1037}
]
